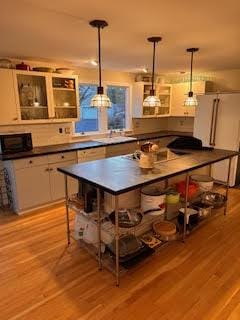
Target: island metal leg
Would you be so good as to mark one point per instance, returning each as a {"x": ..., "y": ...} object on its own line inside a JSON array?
[
  {"x": 67, "y": 209},
  {"x": 117, "y": 241},
  {"x": 186, "y": 203},
  {"x": 227, "y": 185},
  {"x": 210, "y": 170},
  {"x": 99, "y": 229}
]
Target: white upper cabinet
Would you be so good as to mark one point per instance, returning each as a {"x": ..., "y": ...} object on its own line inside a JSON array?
[
  {"x": 141, "y": 90},
  {"x": 37, "y": 97},
  {"x": 180, "y": 93},
  {"x": 65, "y": 97},
  {"x": 8, "y": 108}
]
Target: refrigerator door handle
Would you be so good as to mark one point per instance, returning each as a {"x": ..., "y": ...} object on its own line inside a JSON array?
[
  {"x": 212, "y": 121},
  {"x": 215, "y": 122}
]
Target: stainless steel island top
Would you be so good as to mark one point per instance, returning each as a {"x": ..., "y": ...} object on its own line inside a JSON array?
[{"x": 118, "y": 174}]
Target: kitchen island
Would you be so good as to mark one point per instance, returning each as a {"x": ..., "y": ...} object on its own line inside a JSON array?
[{"x": 118, "y": 175}]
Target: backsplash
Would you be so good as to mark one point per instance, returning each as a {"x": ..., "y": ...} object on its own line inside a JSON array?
[
  {"x": 149, "y": 125},
  {"x": 183, "y": 124},
  {"x": 43, "y": 134}
]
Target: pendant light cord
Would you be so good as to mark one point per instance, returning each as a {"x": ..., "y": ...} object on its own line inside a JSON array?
[
  {"x": 99, "y": 58},
  {"x": 153, "y": 64},
  {"x": 191, "y": 71}
]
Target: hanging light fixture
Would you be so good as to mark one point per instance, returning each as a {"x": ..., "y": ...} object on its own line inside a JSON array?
[
  {"x": 191, "y": 101},
  {"x": 152, "y": 100},
  {"x": 100, "y": 99}
]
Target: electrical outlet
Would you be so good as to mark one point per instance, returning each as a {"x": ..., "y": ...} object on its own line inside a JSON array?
[{"x": 67, "y": 130}]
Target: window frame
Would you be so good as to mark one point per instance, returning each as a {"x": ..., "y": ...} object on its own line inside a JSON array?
[
  {"x": 103, "y": 114},
  {"x": 85, "y": 133}
]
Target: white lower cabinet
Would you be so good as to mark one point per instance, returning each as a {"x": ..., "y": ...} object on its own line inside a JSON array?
[
  {"x": 32, "y": 187},
  {"x": 36, "y": 182},
  {"x": 57, "y": 181}
]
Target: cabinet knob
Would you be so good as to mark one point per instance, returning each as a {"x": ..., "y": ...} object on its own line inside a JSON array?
[
  {"x": 47, "y": 169},
  {"x": 30, "y": 162},
  {"x": 16, "y": 118},
  {"x": 62, "y": 157}
]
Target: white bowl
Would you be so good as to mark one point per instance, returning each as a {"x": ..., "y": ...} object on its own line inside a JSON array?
[{"x": 65, "y": 71}]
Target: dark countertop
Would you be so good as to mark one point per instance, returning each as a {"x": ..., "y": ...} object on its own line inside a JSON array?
[
  {"x": 45, "y": 150},
  {"x": 74, "y": 146},
  {"x": 118, "y": 174}
]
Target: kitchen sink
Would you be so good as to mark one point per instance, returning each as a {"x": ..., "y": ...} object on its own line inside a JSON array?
[{"x": 115, "y": 139}]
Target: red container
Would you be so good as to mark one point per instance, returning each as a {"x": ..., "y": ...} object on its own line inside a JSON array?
[
  {"x": 192, "y": 189},
  {"x": 23, "y": 66}
]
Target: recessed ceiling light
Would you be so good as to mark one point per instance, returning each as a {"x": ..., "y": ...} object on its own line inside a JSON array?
[{"x": 94, "y": 62}]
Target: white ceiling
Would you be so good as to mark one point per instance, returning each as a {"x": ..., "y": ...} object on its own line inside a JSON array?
[{"x": 59, "y": 30}]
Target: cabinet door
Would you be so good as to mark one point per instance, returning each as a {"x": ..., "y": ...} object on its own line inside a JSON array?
[
  {"x": 65, "y": 97},
  {"x": 179, "y": 94},
  {"x": 57, "y": 181},
  {"x": 8, "y": 113},
  {"x": 32, "y": 97},
  {"x": 33, "y": 188}
]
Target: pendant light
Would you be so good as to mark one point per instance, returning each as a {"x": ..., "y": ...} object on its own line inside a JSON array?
[
  {"x": 100, "y": 99},
  {"x": 152, "y": 100},
  {"x": 191, "y": 101}
]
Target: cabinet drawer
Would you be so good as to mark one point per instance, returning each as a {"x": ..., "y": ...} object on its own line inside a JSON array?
[
  {"x": 30, "y": 162},
  {"x": 95, "y": 152},
  {"x": 62, "y": 156}
]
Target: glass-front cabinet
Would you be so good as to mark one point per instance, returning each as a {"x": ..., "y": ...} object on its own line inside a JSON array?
[
  {"x": 141, "y": 90},
  {"x": 164, "y": 94},
  {"x": 64, "y": 97},
  {"x": 44, "y": 97},
  {"x": 32, "y": 93}
]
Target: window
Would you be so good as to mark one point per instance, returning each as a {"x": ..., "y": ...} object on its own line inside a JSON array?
[
  {"x": 117, "y": 113},
  {"x": 93, "y": 120},
  {"x": 88, "y": 115}
]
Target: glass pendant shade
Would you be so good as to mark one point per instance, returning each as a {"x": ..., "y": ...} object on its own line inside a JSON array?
[
  {"x": 100, "y": 100},
  {"x": 191, "y": 101},
  {"x": 152, "y": 101}
]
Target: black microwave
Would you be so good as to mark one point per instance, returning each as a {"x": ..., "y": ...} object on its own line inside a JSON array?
[{"x": 15, "y": 142}]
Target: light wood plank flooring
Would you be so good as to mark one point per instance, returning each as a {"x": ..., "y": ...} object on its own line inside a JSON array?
[{"x": 41, "y": 279}]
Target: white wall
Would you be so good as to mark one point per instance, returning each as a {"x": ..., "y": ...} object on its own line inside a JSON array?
[
  {"x": 43, "y": 134},
  {"x": 149, "y": 125}
]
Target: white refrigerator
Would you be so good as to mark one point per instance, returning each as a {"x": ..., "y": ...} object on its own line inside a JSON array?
[{"x": 217, "y": 124}]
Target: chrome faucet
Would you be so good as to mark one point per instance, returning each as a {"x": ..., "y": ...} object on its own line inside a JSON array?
[{"x": 111, "y": 133}]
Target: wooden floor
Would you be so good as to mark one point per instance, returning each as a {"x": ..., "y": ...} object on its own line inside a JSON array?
[{"x": 42, "y": 279}]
